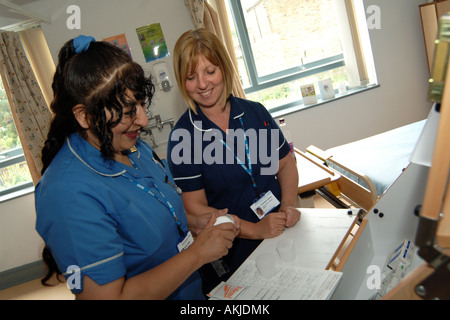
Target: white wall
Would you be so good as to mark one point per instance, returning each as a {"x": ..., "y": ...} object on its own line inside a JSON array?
[
  {"x": 401, "y": 98},
  {"x": 19, "y": 242}
]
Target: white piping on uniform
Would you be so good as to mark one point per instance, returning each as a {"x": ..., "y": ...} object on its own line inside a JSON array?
[
  {"x": 187, "y": 178},
  {"x": 79, "y": 158},
  {"x": 96, "y": 263}
]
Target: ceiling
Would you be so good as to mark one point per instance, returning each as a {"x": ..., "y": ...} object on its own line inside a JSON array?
[{"x": 16, "y": 14}]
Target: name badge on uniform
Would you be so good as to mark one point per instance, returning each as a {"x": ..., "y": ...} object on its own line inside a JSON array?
[
  {"x": 186, "y": 242},
  {"x": 264, "y": 204}
]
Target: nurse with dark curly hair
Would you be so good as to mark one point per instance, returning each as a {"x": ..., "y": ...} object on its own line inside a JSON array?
[{"x": 108, "y": 209}]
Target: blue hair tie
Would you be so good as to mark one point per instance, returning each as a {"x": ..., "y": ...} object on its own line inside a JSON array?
[{"x": 81, "y": 43}]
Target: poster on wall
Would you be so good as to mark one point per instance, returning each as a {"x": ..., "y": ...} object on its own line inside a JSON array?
[
  {"x": 119, "y": 41},
  {"x": 152, "y": 42}
]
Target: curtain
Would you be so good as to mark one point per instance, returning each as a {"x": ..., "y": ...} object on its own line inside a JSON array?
[
  {"x": 28, "y": 106},
  {"x": 203, "y": 15},
  {"x": 40, "y": 58},
  {"x": 360, "y": 60}
]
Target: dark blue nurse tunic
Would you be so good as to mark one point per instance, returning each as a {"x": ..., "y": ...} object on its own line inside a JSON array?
[{"x": 202, "y": 156}]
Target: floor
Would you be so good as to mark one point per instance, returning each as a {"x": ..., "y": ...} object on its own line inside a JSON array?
[{"x": 33, "y": 290}]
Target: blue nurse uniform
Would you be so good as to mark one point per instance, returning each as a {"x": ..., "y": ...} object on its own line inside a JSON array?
[{"x": 91, "y": 215}]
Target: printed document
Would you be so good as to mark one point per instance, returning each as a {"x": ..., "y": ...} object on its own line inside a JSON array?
[{"x": 289, "y": 283}]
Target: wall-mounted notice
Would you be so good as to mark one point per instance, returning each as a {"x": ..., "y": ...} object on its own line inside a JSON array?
[
  {"x": 152, "y": 42},
  {"x": 120, "y": 41}
]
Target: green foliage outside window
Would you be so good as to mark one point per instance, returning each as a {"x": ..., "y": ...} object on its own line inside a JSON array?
[
  {"x": 18, "y": 173},
  {"x": 9, "y": 137}
]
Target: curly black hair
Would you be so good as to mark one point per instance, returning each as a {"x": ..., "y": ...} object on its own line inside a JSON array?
[{"x": 98, "y": 79}]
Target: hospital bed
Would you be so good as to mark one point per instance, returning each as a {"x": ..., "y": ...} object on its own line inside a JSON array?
[{"x": 369, "y": 166}]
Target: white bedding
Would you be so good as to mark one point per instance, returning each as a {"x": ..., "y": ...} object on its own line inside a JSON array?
[{"x": 381, "y": 157}]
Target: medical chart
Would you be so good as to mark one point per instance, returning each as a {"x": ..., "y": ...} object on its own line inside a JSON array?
[{"x": 289, "y": 283}]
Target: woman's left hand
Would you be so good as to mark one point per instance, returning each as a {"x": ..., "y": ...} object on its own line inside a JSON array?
[{"x": 292, "y": 215}]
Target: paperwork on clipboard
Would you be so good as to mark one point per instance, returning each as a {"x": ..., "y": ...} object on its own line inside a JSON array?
[{"x": 289, "y": 283}]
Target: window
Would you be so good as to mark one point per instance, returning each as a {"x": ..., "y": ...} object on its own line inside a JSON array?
[
  {"x": 283, "y": 45},
  {"x": 14, "y": 173}
]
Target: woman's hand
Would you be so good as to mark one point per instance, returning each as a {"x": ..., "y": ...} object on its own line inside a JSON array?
[
  {"x": 271, "y": 226},
  {"x": 198, "y": 222},
  {"x": 292, "y": 215},
  {"x": 213, "y": 242}
]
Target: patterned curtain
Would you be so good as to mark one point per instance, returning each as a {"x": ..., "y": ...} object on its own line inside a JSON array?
[
  {"x": 204, "y": 16},
  {"x": 40, "y": 58},
  {"x": 196, "y": 9},
  {"x": 29, "y": 108}
]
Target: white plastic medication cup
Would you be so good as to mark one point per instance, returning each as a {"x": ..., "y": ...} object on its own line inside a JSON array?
[
  {"x": 265, "y": 263},
  {"x": 286, "y": 249},
  {"x": 224, "y": 219}
]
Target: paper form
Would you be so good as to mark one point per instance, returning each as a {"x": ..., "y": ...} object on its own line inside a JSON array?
[{"x": 289, "y": 283}]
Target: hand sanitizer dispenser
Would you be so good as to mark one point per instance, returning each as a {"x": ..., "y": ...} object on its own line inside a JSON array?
[{"x": 161, "y": 73}]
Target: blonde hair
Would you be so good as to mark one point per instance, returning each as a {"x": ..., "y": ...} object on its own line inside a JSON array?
[{"x": 189, "y": 47}]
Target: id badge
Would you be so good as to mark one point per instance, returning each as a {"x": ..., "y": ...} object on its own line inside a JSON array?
[
  {"x": 186, "y": 242},
  {"x": 264, "y": 204}
]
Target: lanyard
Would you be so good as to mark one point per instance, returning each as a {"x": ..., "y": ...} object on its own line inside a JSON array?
[
  {"x": 161, "y": 198},
  {"x": 161, "y": 167},
  {"x": 247, "y": 153}
]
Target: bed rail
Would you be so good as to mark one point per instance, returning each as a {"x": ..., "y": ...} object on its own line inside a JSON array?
[{"x": 357, "y": 193}]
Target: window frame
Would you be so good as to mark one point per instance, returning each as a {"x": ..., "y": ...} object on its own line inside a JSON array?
[
  {"x": 13, "y": 157},
  {"x": 258, "y": 83},
  {"x": 38, "y": 54}
]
